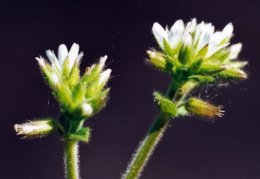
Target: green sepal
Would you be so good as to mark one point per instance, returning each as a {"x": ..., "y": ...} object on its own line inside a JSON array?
[
  {"x": 78, "y": 94},
  {"x": 185, "y": 55},
  {"x": 91, "y": 75},
  {"x": 98, "y": 101},
  {"x": 165, "y": 105},
  {"x": 167, "y": 48},
  {"x": 63, "y": 95},
  {"x": 74, "y": 75},
  {"x": 232, "y": 74},
  {"x": 210, "y": 68},
  {"x": 203, "y": 79},
  {"x": 82, "y": 135},
  {"x": 65, "y": 70},
  {"x": 220, "y": 56},
  {"x": 195, "y": 65}
]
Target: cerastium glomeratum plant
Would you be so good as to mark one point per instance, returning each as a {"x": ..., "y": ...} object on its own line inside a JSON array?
[
  {"x": 79, "y": 97},
  {"x": 193, "y": 55}
]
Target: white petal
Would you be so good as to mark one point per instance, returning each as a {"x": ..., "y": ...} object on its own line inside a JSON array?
[
  {"x": 41, "y": 61},
  {"x": 53, "y": 59},
  {"x": 191, "y": 26},
  {"x": 73, "y": 53},
  {"x": 104, "y": 76},
  {"x": 55, "y": 79},
  {"x": 176, "y": 33},
  {"x": 80, "y": 56},
  {"x": 203, "y": 40},
  {"x": 102, "y": 62},
  {"x": 62, "y": 53},
  {"x": 187, "y": 40},
  {"x": 198, "y": 32},
  {"x": 235, "y": 50},
  {"x": 159, "y": 33},
  {"x": 228, "y": 30}
]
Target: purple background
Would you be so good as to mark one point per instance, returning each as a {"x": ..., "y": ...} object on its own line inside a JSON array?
[{"x": 190, "y": 149}]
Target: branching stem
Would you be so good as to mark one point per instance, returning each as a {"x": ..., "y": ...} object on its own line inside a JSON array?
[{"x": 155, "y": 133}]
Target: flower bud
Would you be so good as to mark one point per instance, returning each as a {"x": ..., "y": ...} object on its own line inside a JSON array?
[
  {"x": 232, "y": 73},
  {"x": 156, "y": 59},
  {"x": 86, "y": 109},
  {"x": 202, "y": 108},
  {"x": 35, "y": 128}
]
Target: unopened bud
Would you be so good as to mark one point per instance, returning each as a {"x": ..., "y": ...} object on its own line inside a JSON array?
[
  {"x": 202, "y": 108},
  {"x": 232, "y": 73},
  {"x": 35, "y": 128},
  {"x": 156, "y": 59},
  {"x": 86, "y": 109}
]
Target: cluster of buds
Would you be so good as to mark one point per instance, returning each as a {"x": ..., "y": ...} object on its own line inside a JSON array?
[
  {"x": 79, "y": 96},
  {"x": 195, "y": 54}
]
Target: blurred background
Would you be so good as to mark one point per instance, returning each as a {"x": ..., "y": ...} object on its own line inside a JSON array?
[{"x": 190, "y": 149}]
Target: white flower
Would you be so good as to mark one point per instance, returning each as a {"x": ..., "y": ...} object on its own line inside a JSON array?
[
  {"x": 58, "y": 63},
  {"x": 198, "y": 36}
]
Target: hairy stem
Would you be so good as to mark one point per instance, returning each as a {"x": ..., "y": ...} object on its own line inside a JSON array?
[
  {"x": 146, "y": 148},
  {"x": 176, "y": 91},
  {"x": 71, "y": 159}
]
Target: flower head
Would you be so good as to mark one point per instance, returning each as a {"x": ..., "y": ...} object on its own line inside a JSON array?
[
  {"x": 77, "y": 95},
  {"x": 198, "y": 49}
]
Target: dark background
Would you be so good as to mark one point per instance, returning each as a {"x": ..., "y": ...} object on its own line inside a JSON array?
[{"x": 191, "y": 148}]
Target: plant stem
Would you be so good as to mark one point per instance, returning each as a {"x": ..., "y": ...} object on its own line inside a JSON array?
[
  {"x": 71, "y": 159},
  {"x": 155, "y": 133},
  {"x": 146, "y": 147}
]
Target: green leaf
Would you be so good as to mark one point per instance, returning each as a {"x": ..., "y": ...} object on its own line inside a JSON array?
[
  {"x": 165, "y": 105},
  {"x": 82, "y": 135}
]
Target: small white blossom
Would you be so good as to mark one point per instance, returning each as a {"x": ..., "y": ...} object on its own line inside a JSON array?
[
  {"x": 198, "y": 36},
  {"x": 58, "y": 63}
]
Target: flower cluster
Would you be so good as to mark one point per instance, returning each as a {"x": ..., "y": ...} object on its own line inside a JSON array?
[
  {"x": 198, "y": 51},
  {"x": 79, "y": 96},
  {"x": 195, "y": 54}
]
